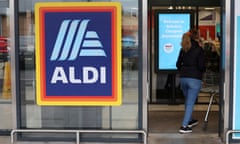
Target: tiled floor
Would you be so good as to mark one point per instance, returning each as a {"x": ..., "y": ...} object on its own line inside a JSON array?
[
  {"x": 184, "y": 139},
  {"x": 170, "y": 122},
  {"x": 164, "y": 125}
]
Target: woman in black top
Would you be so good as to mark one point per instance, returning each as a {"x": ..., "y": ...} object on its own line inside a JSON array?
[{"x": 191, "y": 66}]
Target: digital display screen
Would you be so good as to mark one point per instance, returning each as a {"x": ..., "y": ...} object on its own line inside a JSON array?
[{"x": 170, "y": 28}]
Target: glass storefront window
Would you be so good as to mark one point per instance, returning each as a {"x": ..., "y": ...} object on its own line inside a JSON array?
[
  {"x": 126, "y": 116},
  {"x": 5, "y": 71}
]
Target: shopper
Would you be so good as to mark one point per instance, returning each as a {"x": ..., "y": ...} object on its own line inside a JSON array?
[{"x": 191, "y": 66}]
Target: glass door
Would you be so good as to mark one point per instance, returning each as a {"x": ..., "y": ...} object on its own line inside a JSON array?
[
  {"x": 5, "y": 73},
  {"x": 125, "y": 117}
]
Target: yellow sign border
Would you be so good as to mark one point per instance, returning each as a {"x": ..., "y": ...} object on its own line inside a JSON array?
[{"x": 118, "y": 98}]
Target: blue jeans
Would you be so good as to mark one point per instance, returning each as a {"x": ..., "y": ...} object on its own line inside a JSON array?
[{"x": 190, "y": 88}]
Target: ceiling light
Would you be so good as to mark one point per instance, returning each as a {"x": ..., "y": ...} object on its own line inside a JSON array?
[
  {"x": 170, "y": 8},
  {"x": 208, "y": 8}
]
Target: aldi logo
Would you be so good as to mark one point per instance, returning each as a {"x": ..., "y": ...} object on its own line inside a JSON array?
[{"x": 78, "y": 53}]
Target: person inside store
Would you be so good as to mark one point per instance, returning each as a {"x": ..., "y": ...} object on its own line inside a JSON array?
[
  {"x": 191, "y": 67},
  {"x": 212, "y": 55}
]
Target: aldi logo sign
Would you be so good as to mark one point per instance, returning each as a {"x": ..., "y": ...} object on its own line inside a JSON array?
[{"x": 78, "y": 53}]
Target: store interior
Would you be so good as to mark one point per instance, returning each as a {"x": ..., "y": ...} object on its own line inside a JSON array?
[{"x": 166, "y": 109}]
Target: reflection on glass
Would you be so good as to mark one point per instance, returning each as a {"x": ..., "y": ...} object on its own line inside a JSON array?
[
  {"x": 5, "y": 72},
  {"x": 5, "y": 77},
  {"x": 130, "y": 51}
]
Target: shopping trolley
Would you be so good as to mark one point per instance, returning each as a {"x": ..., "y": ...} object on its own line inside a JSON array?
[{"x": 211, "y": 87}]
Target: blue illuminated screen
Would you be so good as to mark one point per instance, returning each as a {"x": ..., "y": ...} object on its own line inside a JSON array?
[{"x": 171, "y": 27}]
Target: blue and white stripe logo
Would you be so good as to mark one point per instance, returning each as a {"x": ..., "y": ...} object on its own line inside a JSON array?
[{"x": 75, "y": 40}]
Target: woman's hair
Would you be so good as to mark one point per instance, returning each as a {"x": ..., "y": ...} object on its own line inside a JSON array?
[
  {"x": 186, "y": 42},
  {"x": 194, "y": 33}
]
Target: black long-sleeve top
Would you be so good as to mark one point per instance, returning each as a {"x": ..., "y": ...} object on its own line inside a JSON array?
[{"x": 191, "y": 64}]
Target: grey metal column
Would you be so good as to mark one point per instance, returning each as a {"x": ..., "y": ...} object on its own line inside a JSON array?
[
  {"x": 13, "y": 60},
  {"x": 226, "y": 61},
  {"x": 145, "y": 71}
]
